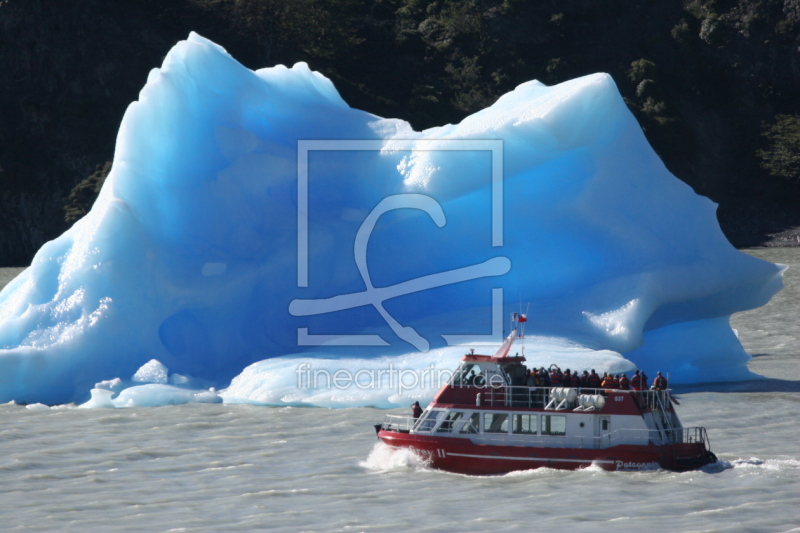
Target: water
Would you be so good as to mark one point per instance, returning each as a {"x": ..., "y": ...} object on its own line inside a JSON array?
[
  {"x": 7, "y": 274},
  {"x": 242, "y": 468},
  {"x": 772, "y": 333}
]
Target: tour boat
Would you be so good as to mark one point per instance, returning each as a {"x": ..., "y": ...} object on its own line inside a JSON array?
[{"x": 482, "y": 422}]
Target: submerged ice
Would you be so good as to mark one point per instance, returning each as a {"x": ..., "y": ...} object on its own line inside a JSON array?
[{"x": 235, "y": 214}]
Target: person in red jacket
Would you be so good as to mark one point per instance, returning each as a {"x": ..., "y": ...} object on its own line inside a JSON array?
[
  {"x": 624, "y": 382},
  {"x": 555, "y": 377},
  {"x": 416, "y": 410},
  {"x": 660, "y": 383},
  {"x": 636, "y": 381},
  {"x": 608, "y": 382},
  {"x": 594, "y": 380},
  {"x": 571, "y": 379}
]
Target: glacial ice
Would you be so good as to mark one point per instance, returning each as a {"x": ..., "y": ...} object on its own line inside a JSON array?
[
  {"x": 192, "y": 253},
  {"x": 152, "y": 372},
  {"x": 116, "y": 393},
  {"x": 392, "y": 381}
]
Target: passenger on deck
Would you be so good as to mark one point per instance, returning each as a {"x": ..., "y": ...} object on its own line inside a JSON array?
[
  {"x": 585, "y": 378},
  {"x": 636, "y": 381},
  {"x": 416, "y": 410},
  {"x": 624, "y": 382},
  {"x": 644, "y": 380},
  {"x": 594, "y": 380},
  {"x": 608, "y": 382},
  {"x": 535, "y": 394},
  {"x": 555, "y": 377},
  {"x": 544, "y": 377},
  {"x": 660, "y": 383},
  {"x": 616, "y": 380},
  {"x": 575, "y": 381},
  {"x": 523, "y": 379}
]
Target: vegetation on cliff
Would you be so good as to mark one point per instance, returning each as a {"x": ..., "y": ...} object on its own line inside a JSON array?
[{"x": 715, "y": 84}]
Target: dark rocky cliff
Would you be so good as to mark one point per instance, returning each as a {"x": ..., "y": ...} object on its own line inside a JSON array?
[{"x": 702, "y": 77}]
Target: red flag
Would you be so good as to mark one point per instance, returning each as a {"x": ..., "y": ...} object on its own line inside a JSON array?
[{"x": 522, "y": 318}]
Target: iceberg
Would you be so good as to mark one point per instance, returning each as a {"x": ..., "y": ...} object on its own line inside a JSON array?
[
  {"x": 251, "y": 215},
  {"x": 392, "y": 381},
  {"x": 148, "y": 388}
]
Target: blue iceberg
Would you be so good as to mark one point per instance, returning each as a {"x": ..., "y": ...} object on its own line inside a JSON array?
[{"x": 251, "y": 215}]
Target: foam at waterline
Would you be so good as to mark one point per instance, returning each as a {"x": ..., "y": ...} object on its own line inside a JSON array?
[
  {"x": 755, "y": 464},
  {"x": 397, "y": 380},
  {"x": 384, "y": 458}
]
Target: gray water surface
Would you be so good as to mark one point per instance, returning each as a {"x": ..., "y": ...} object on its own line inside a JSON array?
[{"x": 203, "y": 467}]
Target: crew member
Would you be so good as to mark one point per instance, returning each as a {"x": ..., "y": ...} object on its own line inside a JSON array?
[{"x": 416, "y": 410}]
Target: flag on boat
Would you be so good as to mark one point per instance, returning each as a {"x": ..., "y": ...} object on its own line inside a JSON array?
[{"x": 519, "y": 317}]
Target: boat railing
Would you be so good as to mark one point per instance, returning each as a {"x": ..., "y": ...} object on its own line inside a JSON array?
[
  {"x": 640, "y": 437},
  {"x": 541, "y": 397},
  {"x": 402, "y": 424}
]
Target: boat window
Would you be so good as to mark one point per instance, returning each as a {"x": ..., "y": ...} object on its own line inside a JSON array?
[
  {"x": 469, "y": 374},
  {"x": 495, "y": 422},
  {"x": 448, "y": 423},
  {"x": 428, "y": 420},
  {"x": 472, "y": 425},
  {"x": 524, "y": 424},
  {"x": 554, "y": 425}
]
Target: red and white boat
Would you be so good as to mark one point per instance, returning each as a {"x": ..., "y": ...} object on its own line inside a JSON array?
[{"x": 480, "y": 423}]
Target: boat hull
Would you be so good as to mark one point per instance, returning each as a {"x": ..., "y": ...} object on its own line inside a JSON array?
[{"x": 463, "y": 456}]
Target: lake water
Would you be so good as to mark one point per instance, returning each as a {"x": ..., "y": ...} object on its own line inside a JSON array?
[{"x": 216, "y": 467}]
